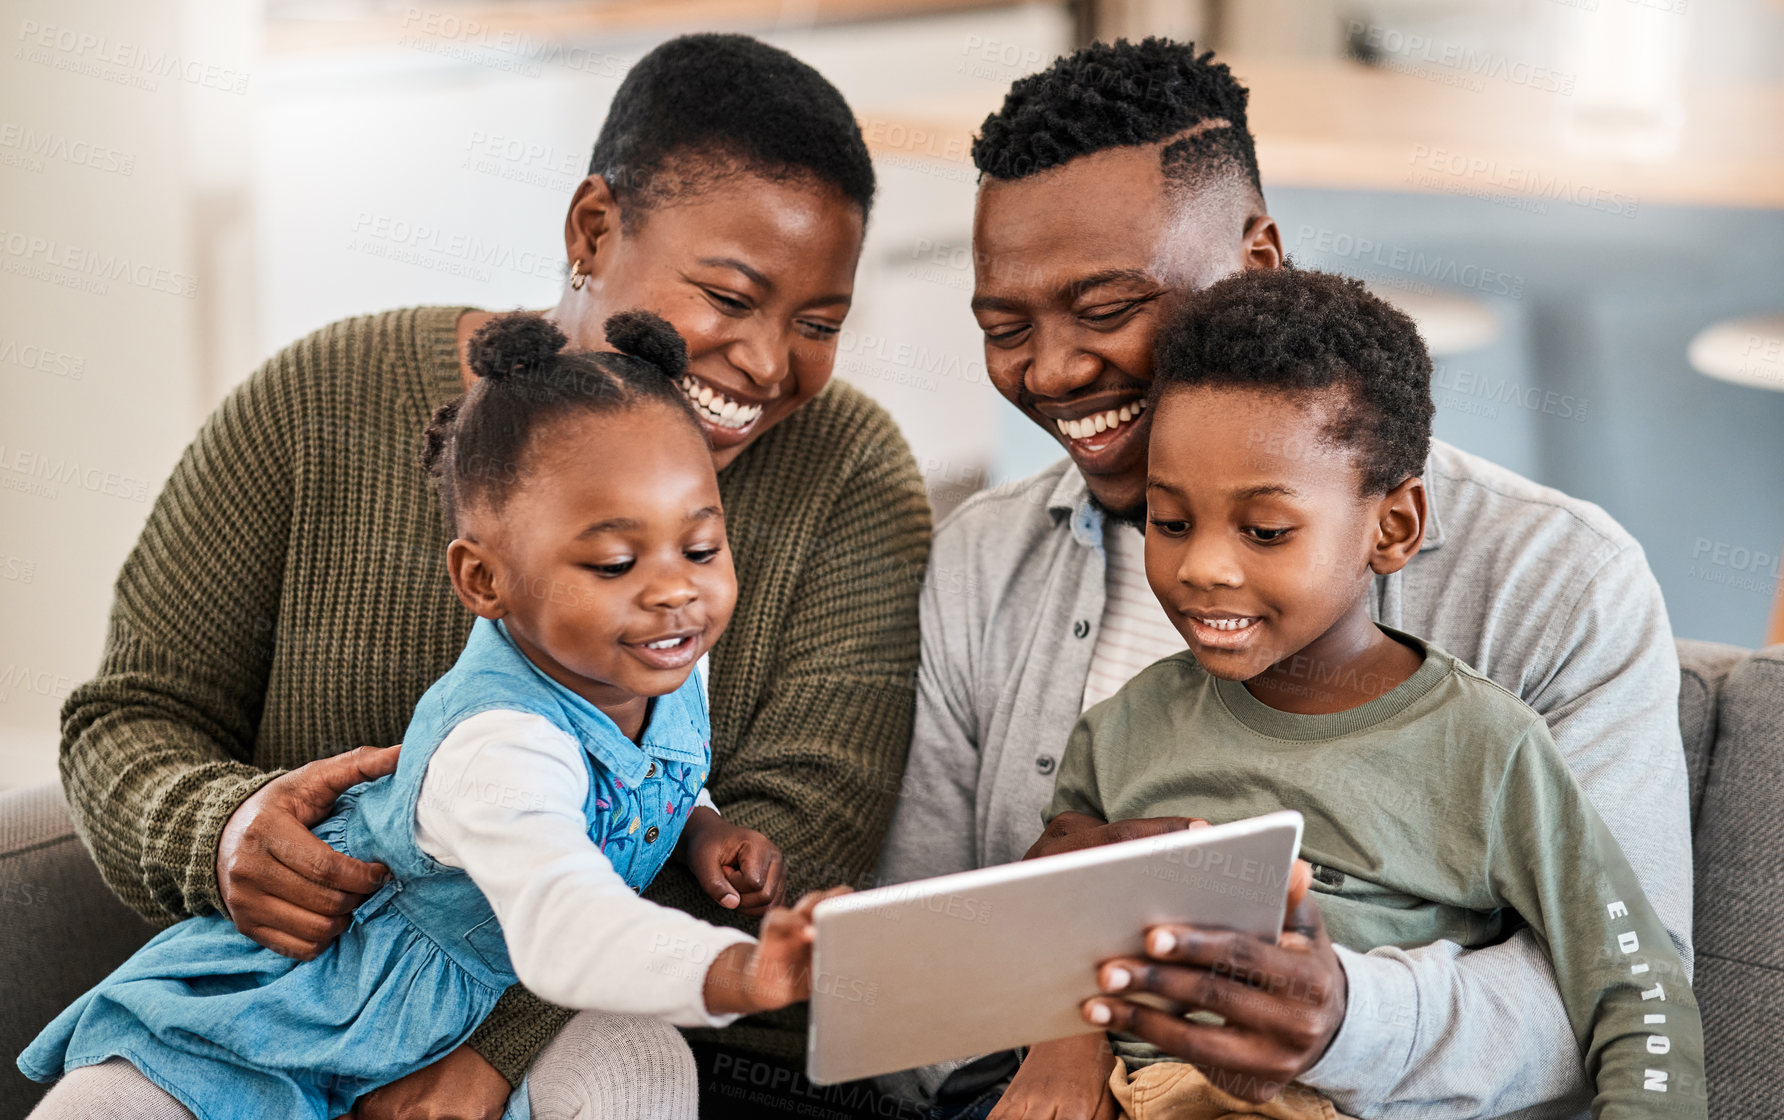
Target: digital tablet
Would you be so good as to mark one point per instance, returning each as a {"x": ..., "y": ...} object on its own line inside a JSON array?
[{"x": 988, "y": 960}]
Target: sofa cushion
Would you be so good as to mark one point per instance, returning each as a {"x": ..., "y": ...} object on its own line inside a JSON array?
[{"x": 64, "y": 930}]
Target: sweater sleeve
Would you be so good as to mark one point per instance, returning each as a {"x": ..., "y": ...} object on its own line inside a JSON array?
[
  {"x": 1624, "y": 985},
  {"x": 155, "y": 748}
]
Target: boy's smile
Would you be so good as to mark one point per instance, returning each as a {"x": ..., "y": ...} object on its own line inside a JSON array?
[
  {"x": 1222, "y": 629},
  {"x": 1260, "y": 542}
]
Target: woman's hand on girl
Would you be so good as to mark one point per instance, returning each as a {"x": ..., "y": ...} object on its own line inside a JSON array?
[
  {"x": 282, "y": 886},
  {"x": 775, "y": 971},
  {"x": 739, "y": 867}
]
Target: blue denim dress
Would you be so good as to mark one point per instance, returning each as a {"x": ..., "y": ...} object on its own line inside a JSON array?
[{"x": 234, "y": 1030}]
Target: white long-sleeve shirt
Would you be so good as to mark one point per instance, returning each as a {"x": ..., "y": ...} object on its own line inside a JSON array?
[{"x": 502, "y": 799}]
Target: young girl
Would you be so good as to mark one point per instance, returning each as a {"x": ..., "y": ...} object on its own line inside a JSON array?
[{"x": 543, "y": 781}]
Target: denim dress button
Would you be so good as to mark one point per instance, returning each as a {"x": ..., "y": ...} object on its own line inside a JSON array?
[
  {"x": 652, "y": 772},
  {"x": 650, "y": 835}
]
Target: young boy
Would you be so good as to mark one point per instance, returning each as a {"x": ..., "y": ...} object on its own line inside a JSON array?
[{"x": 1292, "y": 418}]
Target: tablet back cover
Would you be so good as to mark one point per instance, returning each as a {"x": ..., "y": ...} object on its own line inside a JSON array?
[{"x": 1000, "y": 957}]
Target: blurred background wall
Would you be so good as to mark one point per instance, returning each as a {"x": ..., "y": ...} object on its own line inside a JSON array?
[{"x": 1566, "y": 193}]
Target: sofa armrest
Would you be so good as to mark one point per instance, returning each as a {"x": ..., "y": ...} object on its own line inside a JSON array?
[
  {"x": 1740, "y": 892},
  {"x": 1703, "y": 666},
  {"x": 63, "y": 929}
]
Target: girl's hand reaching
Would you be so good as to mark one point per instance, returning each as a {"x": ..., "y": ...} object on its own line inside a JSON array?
[
  {"x": 739, "y": 867},
  {"x": 775, "y": 971}
]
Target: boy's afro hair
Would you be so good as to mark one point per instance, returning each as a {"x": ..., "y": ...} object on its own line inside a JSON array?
[{"x": 1298, "y": 332}]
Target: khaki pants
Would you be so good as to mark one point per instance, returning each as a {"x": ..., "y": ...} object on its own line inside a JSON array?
[{"x": 1178, "y": 1091}]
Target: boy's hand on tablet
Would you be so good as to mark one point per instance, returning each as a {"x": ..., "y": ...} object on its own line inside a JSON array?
[
  {"x": 1300, "y": 881},
  {"x": 773, "y": 972},
  {"x": 1071, "y": 830},
  {"x": 1067, "y": 1079},
  {"x": 740, "y": 868}
]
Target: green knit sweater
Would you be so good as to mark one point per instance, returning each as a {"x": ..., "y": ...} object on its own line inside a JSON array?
[{"x": 288, "y": 600}]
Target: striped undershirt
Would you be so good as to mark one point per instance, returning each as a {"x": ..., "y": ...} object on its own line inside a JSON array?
[{"x": 1135, "y": 631}]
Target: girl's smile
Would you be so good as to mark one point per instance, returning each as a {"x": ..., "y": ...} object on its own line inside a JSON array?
[{"x": 675, "y": 650}]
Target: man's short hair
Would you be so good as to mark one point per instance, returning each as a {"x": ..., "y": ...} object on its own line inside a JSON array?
[
  {"x": 700, "y": 108},
  {"x": 1111, "y": 95},
  {"x": 1297, "y": 332}
]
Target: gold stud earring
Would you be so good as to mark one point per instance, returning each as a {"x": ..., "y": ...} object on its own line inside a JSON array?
[{"x": 577, "y": 276}]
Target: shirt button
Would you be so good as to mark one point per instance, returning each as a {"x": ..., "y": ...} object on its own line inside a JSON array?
[
  {"x": 1044, "y": 764},
  {"x": 652, "y": 772},
  {"x": 1080, "y": 629},
  {"x": 650, "y": 835}
]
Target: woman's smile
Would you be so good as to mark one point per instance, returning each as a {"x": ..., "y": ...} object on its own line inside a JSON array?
[{"x": 722, "y": 414}]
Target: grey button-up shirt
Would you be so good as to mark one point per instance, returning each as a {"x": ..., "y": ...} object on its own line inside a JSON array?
[{"x": 1544, "y": 594}]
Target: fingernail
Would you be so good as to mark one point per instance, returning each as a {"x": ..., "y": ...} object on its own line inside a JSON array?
[
  {"x": 1098, "y": 1013},
  {"x": 1161, "y": 942},
  {"x": 1115, "y": 979}
]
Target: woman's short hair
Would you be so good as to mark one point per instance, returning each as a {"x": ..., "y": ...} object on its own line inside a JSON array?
[{"x": 701, "y": 108}]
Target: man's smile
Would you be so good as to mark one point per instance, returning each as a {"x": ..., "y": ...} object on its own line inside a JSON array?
[{"x": 1104, "y": 439}]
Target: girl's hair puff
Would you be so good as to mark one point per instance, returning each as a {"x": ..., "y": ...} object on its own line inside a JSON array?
[{"x": 475, "y": 446}]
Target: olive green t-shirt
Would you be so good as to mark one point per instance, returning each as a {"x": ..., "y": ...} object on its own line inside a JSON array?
[{"x": 1440, "y": 810}]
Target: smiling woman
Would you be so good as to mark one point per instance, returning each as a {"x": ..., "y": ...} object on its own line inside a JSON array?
[
  {"x": 756, "y": 272},
  {"x": 288, "y": 599}
]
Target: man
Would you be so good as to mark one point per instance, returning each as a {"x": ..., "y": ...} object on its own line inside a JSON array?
[{"x": 1118, "y": 177}]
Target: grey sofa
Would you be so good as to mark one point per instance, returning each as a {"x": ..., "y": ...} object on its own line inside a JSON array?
[{"x": 63, "y": 930}]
